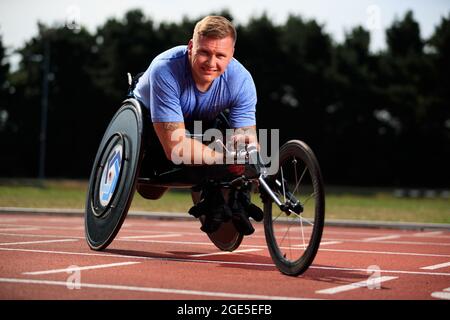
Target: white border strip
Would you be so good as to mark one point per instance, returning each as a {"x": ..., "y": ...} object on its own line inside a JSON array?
[
  {"x": 437, "y": 266},
  {"x": 444, "y": 294},
  {"x": 222, "y": 253},
  {"x": 68, "y": 270},
  {"x": 270, "y": 265},
  {"x": 154, "y": 290},
  {"x": 153, "y": 236},
  {"x": 38, "y": 242},
  {"x": 394, "y": 236},
  {"x": 356, "y": 285}
]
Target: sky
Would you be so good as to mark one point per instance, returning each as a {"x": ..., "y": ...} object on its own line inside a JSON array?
[{"x": 18, "y": 18}]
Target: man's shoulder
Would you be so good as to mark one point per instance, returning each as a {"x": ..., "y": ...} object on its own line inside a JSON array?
[
  {"x": 236, "y": 75},
  {"x": 170, "y": 62},
  {"x": 175, "y": 53},
  {"x": 174, "y": 57}
]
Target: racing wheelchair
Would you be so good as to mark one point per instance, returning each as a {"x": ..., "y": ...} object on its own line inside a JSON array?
[{"x": 293, "y": 198}]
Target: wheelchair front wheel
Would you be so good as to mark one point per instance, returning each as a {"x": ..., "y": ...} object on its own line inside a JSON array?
[{"x": 293, "y": 238}]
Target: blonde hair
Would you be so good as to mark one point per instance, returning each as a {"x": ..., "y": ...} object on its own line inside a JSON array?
[{"x": 215, "y": 27}]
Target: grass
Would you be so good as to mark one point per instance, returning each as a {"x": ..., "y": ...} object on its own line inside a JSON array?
[{"x": 341, "y": 202}]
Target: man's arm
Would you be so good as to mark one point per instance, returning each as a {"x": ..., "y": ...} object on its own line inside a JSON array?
[
  {"x": 177, "y": 146},
  {"x": 245, "y": 135}
]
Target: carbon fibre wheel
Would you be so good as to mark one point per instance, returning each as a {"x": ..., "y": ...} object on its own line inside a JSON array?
[
  {"x": 113, "y": 178},
  {"x": 293, "y": 235}
]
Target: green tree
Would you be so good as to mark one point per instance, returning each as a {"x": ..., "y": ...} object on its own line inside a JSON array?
[
  {"x": 406, "y": 77},
  {"x": 258, "y": 48},
  {"x": 437, "y": 116},
  {"x": 126, "y": 45},
  {"x": 4, "y": 86},
  {"x": 306, "y": 83},
  {"x": 354, "y": 133},
  {"x": 72, "y": 101}
]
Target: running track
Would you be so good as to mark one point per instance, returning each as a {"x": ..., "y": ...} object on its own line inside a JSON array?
[{"x": 46, "y": 257}]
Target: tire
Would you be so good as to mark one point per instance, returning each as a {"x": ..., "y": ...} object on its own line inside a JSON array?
[
  {"x": 114, "y": 174},
  {"x": 293, "y": 240},
  {"x": 227, "y": 238}
]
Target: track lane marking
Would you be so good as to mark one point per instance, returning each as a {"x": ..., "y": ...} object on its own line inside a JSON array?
[
  {"x": 444, "y": 294},
  {"x": 8, "y": 220},
  {"x": 38, "y": 242},
  {"x": 19, "y": 229},
  {"x": 271, "y": 265},
  {"x": 42, "y": 227},
  {"x": 436, "y": 266},
  {"x": 388, "y": 253},
  {"x": 320, "y": 249},
  {"x": 250, "y": 245},
  {"x": 427, "y": 234},
  {"x": 390, "y": 237},
  {"x": 356, "y": 285},
  {"x": 222, "y": 253},
  {"x": 25, "y": 235},
  {"x": 67, "y": 270},
  {"x": 152, "y": 236},
  {"x": 154, "y": 290},
  {"x": 323, "y": 243},
  {"x": 329, "y": 230},
  {"x": 254, "y": 236},
  {"x": 324, "y": 240}
]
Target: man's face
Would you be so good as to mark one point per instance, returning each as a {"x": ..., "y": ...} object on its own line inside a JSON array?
[{"x": 209, "y": 57}]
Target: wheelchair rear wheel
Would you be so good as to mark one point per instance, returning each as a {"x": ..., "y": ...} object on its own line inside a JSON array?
[
  {"x": 227, "y": 238},
  {"x": 114, "y": 174}
]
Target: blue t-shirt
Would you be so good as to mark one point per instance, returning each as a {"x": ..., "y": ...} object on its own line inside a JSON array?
[{"x": 169, "y": 91}]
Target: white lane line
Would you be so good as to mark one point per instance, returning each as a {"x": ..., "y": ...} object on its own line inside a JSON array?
[
  {"x": 191, "y": 225},
  {"x": 444, "y": 294},
  {"x": 25, "y": 235},
  {"x": 127, "y": 225},
  {"x": 43, "y": 227},
  {"x": 324, "y": 240},
  {"x": 395, "y": 253},
  {"x": 427, "y": 234},
  {"x": 372, "y": 252},
  {"x": 437, "y": 266},
  {"x": 153, "y": 236},
  {"x": 356, "y": 285},
  {"x": 8, "y": 220},
  {"x": 394, "y": 236},
  {"x": 421, "y": 273},
  {"x": 19, "y": 229},
  {"x": 323, "y": 243},
  {"x": 414, "y": 243},
  {"x": 222, "y": 253},
  {"x": 254, "y": 236},
  {"x": 155, "y": 290},
  {"x": 67, "y": 270},
  {"x": 320, "y": 249},
  {"x": 270, "y": 265},
  {"x": 37, "y": 242}
]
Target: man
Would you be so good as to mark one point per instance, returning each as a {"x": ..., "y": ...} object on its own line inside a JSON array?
[{"x": 198, "y": 82}]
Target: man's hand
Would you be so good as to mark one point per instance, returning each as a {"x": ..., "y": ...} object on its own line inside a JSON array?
[{"x": 244, "y": 136}]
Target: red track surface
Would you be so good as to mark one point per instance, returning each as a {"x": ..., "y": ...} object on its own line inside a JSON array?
[{"x": 156, "y": 259}]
